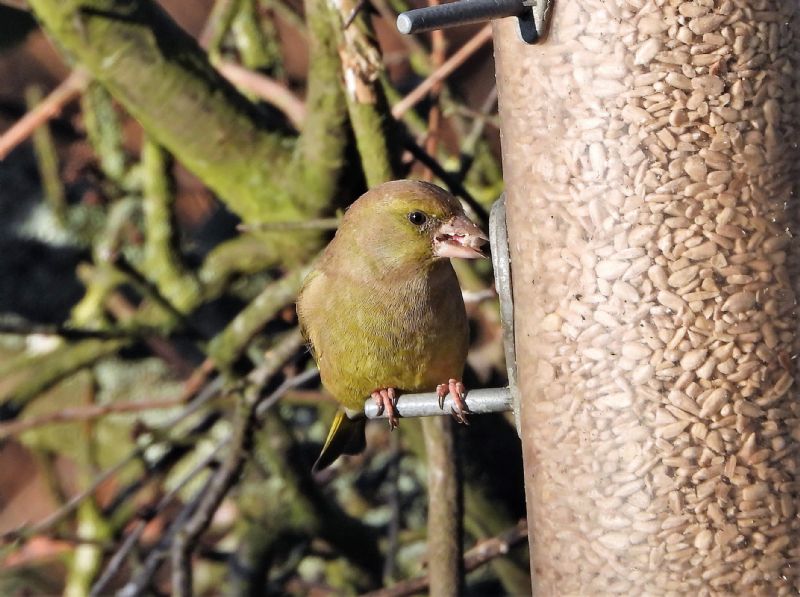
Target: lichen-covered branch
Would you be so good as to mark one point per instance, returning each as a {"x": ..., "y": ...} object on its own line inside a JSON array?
[
  {"x": 104, "y": 131},
  {"x": 162, "y": 261},
  {"x": 242, "y": 255},
  {"x": 186, "y": 538},
  {"x": 258, "y": 47},
  {"x": 29, "y": 375},
  {"x": 369, "y": 115},
  {"x": 302, "y": 508},
  {"x": 229, "y": 343},
  {"x": 162, "y": 77},
  {"x": 319, "y": 154},
  {"x": 47, "y": 161}
]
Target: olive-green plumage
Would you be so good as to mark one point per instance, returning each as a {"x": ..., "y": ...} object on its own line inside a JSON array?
[{"x": 381, "y": 309}]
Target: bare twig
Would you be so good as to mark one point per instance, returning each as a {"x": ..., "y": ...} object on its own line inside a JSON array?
[
  {"x": 138, "y": 584},
  {"x": 450, "y": 180},
  {"x": 192, "y": 387},
  {"x": 470, "y": 144},
  {"x": 493, "y": 547},
  {"x": 482, "y": 117},
  {"x": 441, "y": 73},
  {"x": 199, "y": 390},
  {"x": 247, "y": 413},
  {"x": 283, "y": 389},
  {"x": 25, "y": 328},
  {"x": 118, "y": 559},
  {"x": 438, "y": 54},
  {"x": 477, "y": 115},
  {"x": 18, "y": 4},
  {"x": 84, "y": 413},
  {"x": 353, "y": 13},
  {"x": 47, "y": 160},
  {"x": 50, "y": 107},
  {"x": 314, "y": 224},
  {"x": 476, "y": 297},
  {"x": 267, "y": 89},
  {"x": 185, "y": 540},
  {"x": 69, "y": 507},
  {"x": 217, "y": 25},
  {"x": 30, "y": 530},
  {"x": 480, "y": 554}
]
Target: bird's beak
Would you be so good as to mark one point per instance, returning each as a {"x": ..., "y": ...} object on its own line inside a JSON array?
[{"x": 459, "y": 237}]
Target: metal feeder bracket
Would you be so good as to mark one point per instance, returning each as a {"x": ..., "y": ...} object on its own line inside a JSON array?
[
  {"x": 501, "y": 262},
  {"x": 532, "y": 16}
]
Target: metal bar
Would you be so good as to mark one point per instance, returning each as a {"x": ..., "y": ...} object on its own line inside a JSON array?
[
  {"x": 488, "y": 400},
  {"x": 461, "y": 12},
  {"x": 501, "y": 263}
]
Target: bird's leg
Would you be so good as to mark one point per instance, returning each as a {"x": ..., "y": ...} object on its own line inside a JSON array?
[
  {"x": 457, "y": 389},
  {"x": 386, "y": 399}
]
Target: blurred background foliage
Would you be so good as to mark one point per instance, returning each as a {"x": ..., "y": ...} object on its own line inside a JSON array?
[{"x": 168, "y": 171}]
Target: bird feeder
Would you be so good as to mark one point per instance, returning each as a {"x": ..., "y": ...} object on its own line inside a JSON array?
[
  {"x": 650, "y": 154},
  {"x": 651, "y": 164}
]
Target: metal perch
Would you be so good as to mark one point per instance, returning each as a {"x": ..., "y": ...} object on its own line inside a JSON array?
[{"x": 489, "y": 400}]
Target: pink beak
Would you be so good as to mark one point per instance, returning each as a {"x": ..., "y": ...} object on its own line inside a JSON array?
[{"x": 459, "y": 237}]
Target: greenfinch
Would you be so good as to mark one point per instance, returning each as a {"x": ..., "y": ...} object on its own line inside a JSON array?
[{"x": 383, "y": 312}]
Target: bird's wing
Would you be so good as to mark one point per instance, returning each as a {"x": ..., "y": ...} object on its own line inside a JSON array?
[{"x": 303, "y": 304}]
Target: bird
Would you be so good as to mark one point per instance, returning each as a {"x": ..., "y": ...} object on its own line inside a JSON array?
[{"x": 382, "y": 311}]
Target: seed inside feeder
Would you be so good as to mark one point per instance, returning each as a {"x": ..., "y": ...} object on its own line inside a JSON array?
[{"x": 651, "y": 159}]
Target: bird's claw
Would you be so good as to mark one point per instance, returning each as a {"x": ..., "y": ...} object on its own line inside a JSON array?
[
  {"x": 386, "y": 399},
  {"x": 459, "y": 410},
  {"x": 441, "y": 392},
  {"x": 459, "y": 416}
]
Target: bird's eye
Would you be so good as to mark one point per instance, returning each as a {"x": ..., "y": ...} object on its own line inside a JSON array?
[{"x": 417, "y": 218}]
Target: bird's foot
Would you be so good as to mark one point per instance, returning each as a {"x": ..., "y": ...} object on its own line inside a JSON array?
[
  {"x": 458, "y": 391},
  {"x": 386, "y": 399}
]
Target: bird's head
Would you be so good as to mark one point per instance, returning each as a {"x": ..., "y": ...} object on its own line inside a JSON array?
[{"x": 411, "y": 222}]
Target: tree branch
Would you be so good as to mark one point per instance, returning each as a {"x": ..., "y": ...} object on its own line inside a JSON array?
[
  {"x": 482, "y": 552},
  {"x": 157, "y": 71},
  {"x": 369, "y": 113},
  {"x": 266, "y": 89},
  {"x": 51, "y": 106},
  {"x": 186, "y": 538},
  {"x": 162, "y": 260},
  {"x": 457, "y": 59},
  {"x": 163, "y": 78},
  {"x": 445, "y": 509},
  {"x": 85, "y": 413}
]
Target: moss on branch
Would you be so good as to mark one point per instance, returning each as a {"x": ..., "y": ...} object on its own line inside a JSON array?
[
  {"x": 162, "y": 261},
  {"x": 163, "y": 78},
  {"x": 229, "y": 343},
  {"x": 361, "y": 66},
  {"x": 27, "y": 376}
]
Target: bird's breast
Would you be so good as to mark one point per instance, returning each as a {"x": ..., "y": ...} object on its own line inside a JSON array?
[{"x": 408, "y": 332}]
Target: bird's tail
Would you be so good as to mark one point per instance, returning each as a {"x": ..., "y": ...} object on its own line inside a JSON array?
[{"x": 346, "y": 436}]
